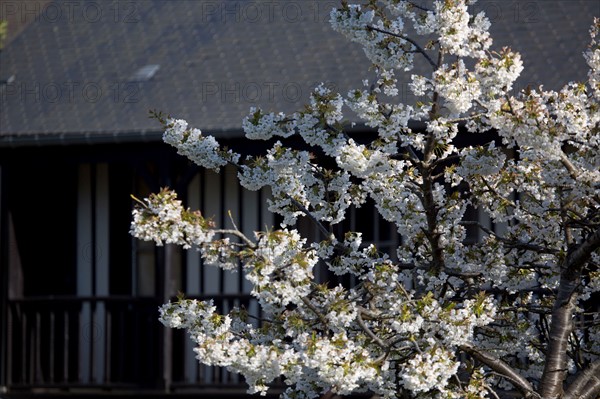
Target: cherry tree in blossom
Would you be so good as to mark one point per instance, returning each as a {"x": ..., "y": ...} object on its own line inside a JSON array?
[{"x": 441, "y": 317}]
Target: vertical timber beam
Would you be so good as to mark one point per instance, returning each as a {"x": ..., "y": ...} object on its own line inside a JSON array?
[
  {"x": 163, "y": 274},
  {"x": 4, "y": 326}
]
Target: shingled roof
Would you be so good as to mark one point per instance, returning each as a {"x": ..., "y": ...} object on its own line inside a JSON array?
[{"x": 90, "y": 71}]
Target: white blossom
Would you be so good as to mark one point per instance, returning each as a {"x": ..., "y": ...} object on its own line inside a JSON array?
[{"x": 490, "y": 234}]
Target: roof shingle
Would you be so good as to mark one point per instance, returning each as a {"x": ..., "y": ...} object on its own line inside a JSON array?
[{"x": 72, "y": 75}]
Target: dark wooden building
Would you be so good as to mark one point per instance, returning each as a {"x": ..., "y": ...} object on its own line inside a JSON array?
[{"x": 78, "y": 295}]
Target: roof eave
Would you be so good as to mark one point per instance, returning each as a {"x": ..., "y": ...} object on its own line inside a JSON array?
[
  {"x": 121, "y": 137},
  {"x": 83, "y": 138}
]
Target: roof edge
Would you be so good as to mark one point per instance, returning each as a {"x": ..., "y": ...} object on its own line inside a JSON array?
[
  {"x": 150, "y": 136},
  {"x": 85, "y": 138}
]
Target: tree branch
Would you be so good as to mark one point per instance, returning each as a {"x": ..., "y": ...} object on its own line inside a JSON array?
[
  {"x": 555, "y": 369},
  {"x": 236, "y": 233},
  {"x": 368, "y": 331},
  {"x": 511, "y": 243},
  {"x": 503, "y": 369},
  {"x": 320, "y": 315},
  {"x": 586, "y": 381},
  {"x": 569, "y": 165},
  {"x": 408, "y": 39},
  {"x": 578, "y": 257},
  {"x": 591, "y": 390},
  {"x": 306, "y": 212},
  {"x": 415, "y": 5}
]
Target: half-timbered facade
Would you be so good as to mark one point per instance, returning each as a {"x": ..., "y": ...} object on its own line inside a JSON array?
[{"x": 79, "y": 295}]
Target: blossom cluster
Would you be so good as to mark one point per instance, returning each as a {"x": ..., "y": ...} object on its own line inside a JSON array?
[
  {"x": 297, "y": 185},
  {"x": 202, "y": 150},
  {"x": 161, "y": 218}
]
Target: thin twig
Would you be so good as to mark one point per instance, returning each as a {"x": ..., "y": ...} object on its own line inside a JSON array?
[
  {"x": 320, "y": 315},
  {"x": 368, "y": 331},
  {"x": 236, "y": 233},
  {"x": 415, "y": 5},
  {"x": 408, "y": 39},
  {"x": 309, "y": 215}
]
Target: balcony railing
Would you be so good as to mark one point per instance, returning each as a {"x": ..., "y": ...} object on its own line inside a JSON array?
[{"x": 105, "y": 343}]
